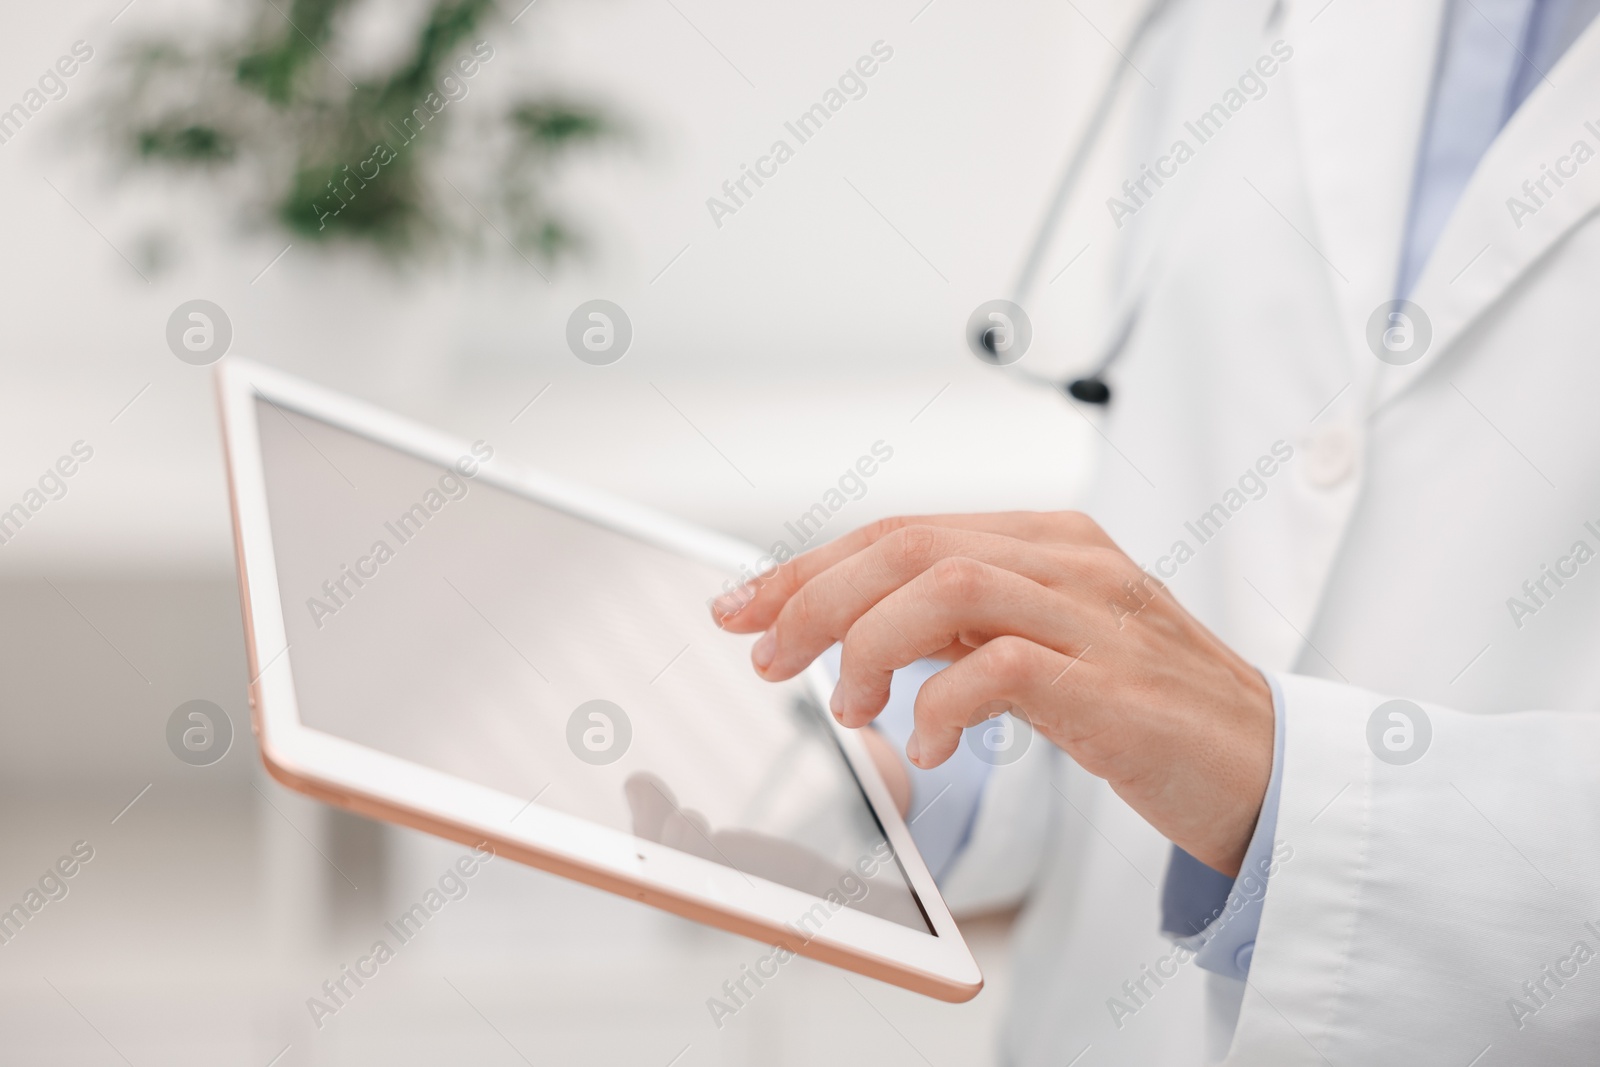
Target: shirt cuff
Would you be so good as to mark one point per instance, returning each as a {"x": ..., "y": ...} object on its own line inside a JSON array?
[
  {"x": 1212, "y": 915},
  {"x": 944, "y": 800}
]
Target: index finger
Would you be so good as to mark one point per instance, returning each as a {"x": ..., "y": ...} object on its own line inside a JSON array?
[{"x": 754, "y": 606}]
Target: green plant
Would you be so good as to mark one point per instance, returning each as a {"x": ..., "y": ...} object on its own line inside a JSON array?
[{"x": 270, "y": 118}]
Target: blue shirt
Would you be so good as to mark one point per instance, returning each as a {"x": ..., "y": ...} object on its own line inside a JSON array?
[{"x": 1492, "y": 54}]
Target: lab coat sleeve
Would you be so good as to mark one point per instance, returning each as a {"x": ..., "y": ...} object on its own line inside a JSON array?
[{"x": 1438, "y": 865}]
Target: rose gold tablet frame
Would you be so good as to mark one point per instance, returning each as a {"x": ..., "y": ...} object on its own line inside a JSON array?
[{"x": 384, "y": 787}]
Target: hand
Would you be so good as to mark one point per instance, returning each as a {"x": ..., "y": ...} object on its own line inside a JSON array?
[{"x": 1040, "y": 614}]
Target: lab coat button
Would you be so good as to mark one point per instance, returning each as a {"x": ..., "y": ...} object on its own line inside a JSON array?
[
  {"x": 1330, "y": 457},
  {"x": 1241, "y": 958}
]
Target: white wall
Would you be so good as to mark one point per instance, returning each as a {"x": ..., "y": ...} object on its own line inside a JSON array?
[
  {"x": 803, "y": 319},
  {"x": 794, "y": 336}
]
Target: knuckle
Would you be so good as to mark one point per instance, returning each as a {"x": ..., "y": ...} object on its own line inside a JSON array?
[
  {"x": 1077, "y": 522},
  {"x": 913, "y": 548},
  {"x": 1122, "y": 571},
  {"x": 1110, "y": 561},
  {"x": 1083, "y": 525},
  {"x": 958, "y": 578},
  {"x": 878, "y": 529},
  {"x": 1084, "y": 567},
  {"x": 1081, "y": 528},
  {"x": 1099, "y": 568},
  {"x": 1009, "y": 657}
]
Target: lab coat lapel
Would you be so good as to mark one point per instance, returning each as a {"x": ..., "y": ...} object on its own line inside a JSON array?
[
  {"x": 1361, "y": 74},
  {"x": 1499, "y": 229}
]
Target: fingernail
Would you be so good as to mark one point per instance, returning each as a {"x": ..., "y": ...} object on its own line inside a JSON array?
[
  {"x": 761, "y": 655},
  {"x": 914, "y": 749},
  {"x": 836, "y": 705},
  {"x": 731, "y": 603}
]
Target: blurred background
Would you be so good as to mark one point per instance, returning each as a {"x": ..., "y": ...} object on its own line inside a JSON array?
[{"x": 771, "y": 348}]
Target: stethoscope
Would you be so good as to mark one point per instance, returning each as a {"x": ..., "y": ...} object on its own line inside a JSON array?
[{"x": 1090, "y": 388}]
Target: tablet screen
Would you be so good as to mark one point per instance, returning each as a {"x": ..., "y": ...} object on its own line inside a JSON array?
[{"x": 472, "y": 630}]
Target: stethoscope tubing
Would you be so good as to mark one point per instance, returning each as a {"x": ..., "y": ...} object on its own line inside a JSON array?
[{"x": 1089, "y": 388}]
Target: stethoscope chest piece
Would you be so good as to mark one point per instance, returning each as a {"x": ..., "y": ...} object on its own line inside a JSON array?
[{"x": 1089, "y": 390}]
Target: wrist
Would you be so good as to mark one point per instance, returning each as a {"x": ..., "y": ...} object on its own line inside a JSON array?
[
  {"x": 1256, "y": 739},
  {"x": 1238, "y": 774}
]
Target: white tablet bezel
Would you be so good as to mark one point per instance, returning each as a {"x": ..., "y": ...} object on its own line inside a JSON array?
[{"x": 386, "y": 787}]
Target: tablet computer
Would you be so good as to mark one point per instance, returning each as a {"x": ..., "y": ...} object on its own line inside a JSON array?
[{"x": 442, "y": 639}]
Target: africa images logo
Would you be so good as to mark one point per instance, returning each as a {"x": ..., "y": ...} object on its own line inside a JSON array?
[
  {"x": 599, "y": 732},
  {"x": 199, "y": 733},
  {"x": 199, "y": 332},
  {"x": 1399, "y": 732},
  {"x": 1399, "y": 332},
  {"x": 599, "y": 332}
]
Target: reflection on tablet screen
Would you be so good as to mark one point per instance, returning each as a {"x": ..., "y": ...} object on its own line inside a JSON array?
[{"x": 476, "y": 632}]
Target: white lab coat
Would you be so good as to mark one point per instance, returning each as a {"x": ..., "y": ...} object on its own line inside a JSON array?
[{"x": 1420, "y": 898}]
